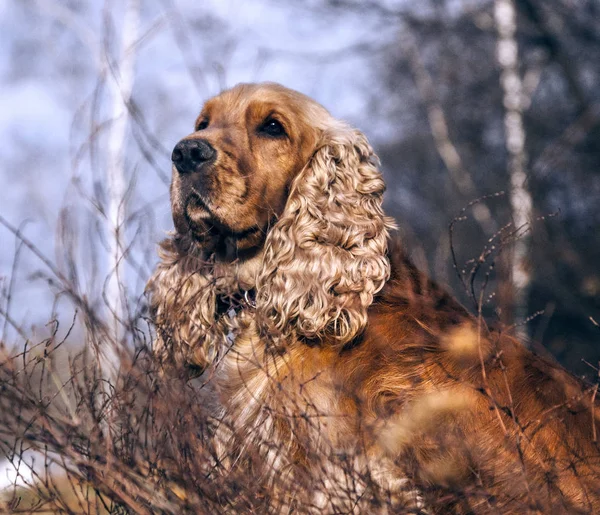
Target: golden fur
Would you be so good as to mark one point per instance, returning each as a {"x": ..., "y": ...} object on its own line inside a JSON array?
[{"x": 329, "y": 354}]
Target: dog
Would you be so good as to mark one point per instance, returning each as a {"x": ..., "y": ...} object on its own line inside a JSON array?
[{"x": 360, "y": 384}]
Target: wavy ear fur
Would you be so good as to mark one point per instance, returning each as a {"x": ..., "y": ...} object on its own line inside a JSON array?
[
  {"x": 325, "y": 257},
  {"x": 182, "y": 293}
]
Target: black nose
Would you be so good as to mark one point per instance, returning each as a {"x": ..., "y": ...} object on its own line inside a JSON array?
[{"x": 189, "y": 154}]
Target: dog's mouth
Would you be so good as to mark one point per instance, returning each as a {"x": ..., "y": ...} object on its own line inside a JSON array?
[
  {"x": 197, "y": 212},
  {"x": 204, "y": 224}
]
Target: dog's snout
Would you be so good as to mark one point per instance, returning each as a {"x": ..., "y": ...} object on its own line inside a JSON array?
[{"x": 189, "y": 154}]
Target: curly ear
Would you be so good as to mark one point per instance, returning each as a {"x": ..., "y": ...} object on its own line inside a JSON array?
[
  {"x": 182, "y": 304},
  {"x": 325, "y": 257}
]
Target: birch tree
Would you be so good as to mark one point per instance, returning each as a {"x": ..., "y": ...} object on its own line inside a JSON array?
[
  {"x": 520, "y": 198},
  {"x": 120, "y": 79}
]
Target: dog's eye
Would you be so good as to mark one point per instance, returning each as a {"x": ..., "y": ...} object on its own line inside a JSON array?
[
  {"x": 202, "y": 125},
  {"x": 272, "y": 127}
]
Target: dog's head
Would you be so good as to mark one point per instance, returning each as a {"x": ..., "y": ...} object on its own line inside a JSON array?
[
  {"x": 271, "y": 187},
  {"x": 232, "y": 175}
]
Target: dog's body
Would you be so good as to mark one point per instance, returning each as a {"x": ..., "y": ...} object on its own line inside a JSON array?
[{"x": 351, "y": 377}]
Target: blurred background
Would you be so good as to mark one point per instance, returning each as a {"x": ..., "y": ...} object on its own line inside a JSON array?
[{"x": 485, "y": 114}]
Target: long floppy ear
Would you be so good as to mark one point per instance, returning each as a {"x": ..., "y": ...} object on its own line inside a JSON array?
[
  {"x": 182, "y": 297},
  {"x": 325, "y": 257}
]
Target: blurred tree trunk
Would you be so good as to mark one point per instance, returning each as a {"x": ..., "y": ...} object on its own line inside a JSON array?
[
  {"x": 516, "y": 290},
  {"x": 120, "y": 80}
]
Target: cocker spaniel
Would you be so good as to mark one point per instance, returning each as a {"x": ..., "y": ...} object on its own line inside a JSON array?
[{"x": 323, "y": 349}]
